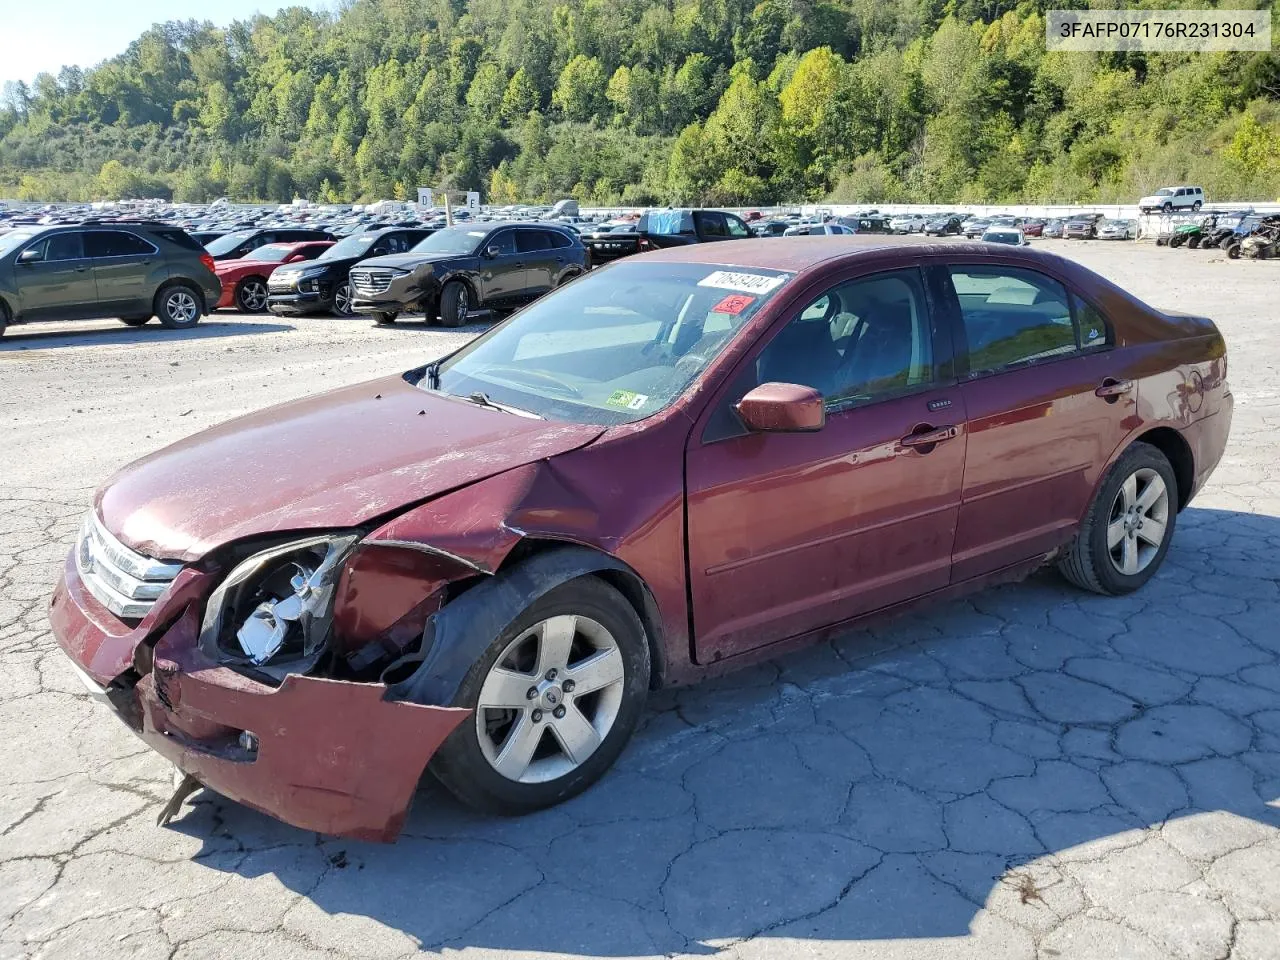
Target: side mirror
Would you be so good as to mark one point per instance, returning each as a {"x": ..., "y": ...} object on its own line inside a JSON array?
[
  {"x": 492, "y": 252},
  {"x": 782, "y": 408},
  {"x": 31, "y": 255}
]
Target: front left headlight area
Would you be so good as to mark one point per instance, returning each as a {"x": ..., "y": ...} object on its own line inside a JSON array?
[{"x": 274, "y": 611}]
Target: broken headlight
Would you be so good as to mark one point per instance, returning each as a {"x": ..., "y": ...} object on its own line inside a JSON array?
[{"x": 277, "y": 604}]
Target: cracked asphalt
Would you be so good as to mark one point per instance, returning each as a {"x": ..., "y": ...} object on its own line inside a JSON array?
[{"x": 1032, "y": 773}]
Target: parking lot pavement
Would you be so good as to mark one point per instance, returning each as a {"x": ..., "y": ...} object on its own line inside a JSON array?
[{"x": 1034, "y": 772}]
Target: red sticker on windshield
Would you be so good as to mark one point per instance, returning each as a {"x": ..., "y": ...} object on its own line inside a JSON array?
[{"x": 733, "y": 304}]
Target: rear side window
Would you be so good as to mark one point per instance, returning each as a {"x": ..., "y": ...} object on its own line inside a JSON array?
[
  {"x": 1012, "y": 317},
  {"x": 668, "y": 223},
  {"x": 711, "y": 224},
  {"x": 100, "y": 244},
  {"x": 179, "y": 238},
  {"x": 559, "y": 239},
  {"x": 528, "y": 241}
]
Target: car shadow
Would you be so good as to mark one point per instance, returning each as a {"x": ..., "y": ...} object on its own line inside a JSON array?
[
  {"x": 982, "y": 758},
  {"x": 49, "y": 337}
]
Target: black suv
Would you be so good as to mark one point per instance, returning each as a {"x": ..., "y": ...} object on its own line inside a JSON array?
[
  {"x": 129, "y": 270},
  {"x": 469, "y": 267},
  {"x": 323, "y": 283},
  {"x": 234, "y": 246}
]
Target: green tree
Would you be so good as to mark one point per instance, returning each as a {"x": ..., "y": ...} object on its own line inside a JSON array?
[{"x": 580, "y": 94}]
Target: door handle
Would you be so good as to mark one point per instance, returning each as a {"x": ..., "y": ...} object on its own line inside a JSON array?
[
  {"x": 928, "y": 436},
  {"x": 1112, "y": 389}
]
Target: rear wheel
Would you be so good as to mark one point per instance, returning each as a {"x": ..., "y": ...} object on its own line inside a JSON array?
[
  {"x": 1193, "y": 242},
  {"x": 4, "y": 317},
  {"x": 1196, "y": 206},
  {"x": 1177, "y": 240},
  {"x": 178, "y": 306},
  {"x": 454, "y": 304},
  {"x": 555, "y": 699},
  {"x": 1125, "y": 536},
  {"x": 251, "y": 295},
  {"x": 342, "y": 300}
]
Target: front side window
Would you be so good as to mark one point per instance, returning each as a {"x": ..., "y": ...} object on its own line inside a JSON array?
[
  {"x": 861, "y": 341},
  {"x": 1012, "y": 317},
  {"x": 737, "y": 228},
  {"x": 504, "y": 244},
  {"x": 616, "y": 346},
  {"x": 60, "y": 246}
]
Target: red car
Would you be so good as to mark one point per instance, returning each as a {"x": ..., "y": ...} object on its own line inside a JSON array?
[
  {"x": 244, "y": 282},
  {"x": 1033, "y": 228},
  {"x": 672, "y": 467}
]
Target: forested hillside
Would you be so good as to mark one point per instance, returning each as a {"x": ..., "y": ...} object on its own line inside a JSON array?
[{"x": 642, "y": 101}]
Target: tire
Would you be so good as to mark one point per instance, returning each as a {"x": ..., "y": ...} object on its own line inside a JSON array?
[
  {"x": 1091, "y": 562},
  {"x": 470, "y": 770},
  {"x": 1177, "y": 240},
  {"x": 1193, "y": 243},
  {"x": 251, "y": 295},
  {"x": 1196, "y": 206},
  {"x": 1167, "y": 208},
  {"x": 342, "y": 300},
  {"x": 178, "y": 306},
  {"x": 134, "y": 321},
  {"x": 4, "y": 317},
  {"x": 386, "y": 318},
  {"x": 1233, "y": 250},
  {"x": 454, "y": 304}
]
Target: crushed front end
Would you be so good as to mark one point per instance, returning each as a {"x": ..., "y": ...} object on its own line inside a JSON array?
[{"x": 258, "y": 671}]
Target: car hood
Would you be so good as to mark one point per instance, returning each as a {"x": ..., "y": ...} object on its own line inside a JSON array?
[
  {"x": 231, "y": 266},
  {"x": 410, "y": 261},
  {"x": 334, "y": 460}
]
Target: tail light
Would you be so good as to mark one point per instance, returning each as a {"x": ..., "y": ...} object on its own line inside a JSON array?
[{"x": 207, "y": 260}]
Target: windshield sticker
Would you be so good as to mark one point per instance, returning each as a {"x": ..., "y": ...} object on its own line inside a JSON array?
[
  {"x": 627, "y": 400},
  {"x": 742, "y": 282},
  {"x": 733, "y": 304}
]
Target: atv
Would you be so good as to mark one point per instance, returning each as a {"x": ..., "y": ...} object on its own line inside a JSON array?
[
  {"x": 1260, "y": 244},
  {"x": 1188, "y": 233}
]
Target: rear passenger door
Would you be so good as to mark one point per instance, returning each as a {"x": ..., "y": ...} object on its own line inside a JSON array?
[
  {"x": 537, "y": 251},
  {"x": 1030, "y": 356},
  {"x": 122, "y": 264}
]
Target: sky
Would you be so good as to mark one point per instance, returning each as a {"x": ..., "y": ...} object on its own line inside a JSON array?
[{"x": 40, "y": 35}]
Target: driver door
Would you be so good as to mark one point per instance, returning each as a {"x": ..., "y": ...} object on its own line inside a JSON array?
[
  {"x": 792, "y": 532},
  {"x": 502, "y": 277},
  {"x": 58, "y": 283}
]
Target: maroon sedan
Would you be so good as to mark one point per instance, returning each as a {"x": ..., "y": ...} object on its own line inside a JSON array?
[{"x": 669, "y": 468}]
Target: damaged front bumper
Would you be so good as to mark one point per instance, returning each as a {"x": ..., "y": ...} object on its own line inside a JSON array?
[{"x": 332, "y": 756}]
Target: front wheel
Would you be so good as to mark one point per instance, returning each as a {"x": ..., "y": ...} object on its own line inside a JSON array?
[
  {"x": 1126, "y": 533},
  {"x": 1233, "y": 251},
  {"x": 454, "y": 304},
  {"x": 1193, "y": 242},
  {"x": 555, "y": 699},
  {"x": 251, "y": 295},
  {"x": 342, "y": 300},
  {"x": 178, "y": 307}
]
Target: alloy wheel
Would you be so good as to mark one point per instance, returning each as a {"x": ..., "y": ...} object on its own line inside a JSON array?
[
  {"x": 463, "y": 305},
  {"x": 1138, "y": 521},
  {"x": 342, "y": 300},
  {"x": 181, "y": 307},
  {"x": 253, "y": 295},
  {"x": 550, "y": 699}
]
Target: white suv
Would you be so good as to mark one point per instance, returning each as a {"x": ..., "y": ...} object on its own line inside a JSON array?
[{"x": 1169, "y": 199}]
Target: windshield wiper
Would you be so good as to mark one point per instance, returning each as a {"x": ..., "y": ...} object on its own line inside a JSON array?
[{"x": 481, "y": 399}]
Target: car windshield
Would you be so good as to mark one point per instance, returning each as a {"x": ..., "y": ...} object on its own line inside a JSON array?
[
  {"x": 271, "y": 253},
  {"x": 353, "y": 246},
  {"x": 227, "y": 243},
  {"x": 10, "y": 241},
  {"x": 461, "y": 241},
  {"x": 614, "y": 347},
  {"x": 1002, "y": 236}
]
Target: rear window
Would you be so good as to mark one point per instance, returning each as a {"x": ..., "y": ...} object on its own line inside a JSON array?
[{"x": 178, "y": 238}]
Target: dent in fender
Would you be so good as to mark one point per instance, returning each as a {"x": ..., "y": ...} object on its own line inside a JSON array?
[{"x": 462, "y": 630}]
